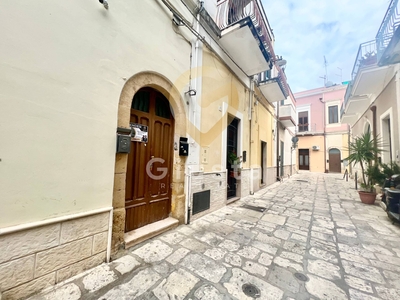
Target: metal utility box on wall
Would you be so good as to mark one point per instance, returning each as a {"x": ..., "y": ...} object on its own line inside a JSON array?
[
  {"x": 315, "y": 148},
  {"x": 201, "y": 201},
  {"x": 123, "y": 143},
  {"x": 183, "y": 146}
]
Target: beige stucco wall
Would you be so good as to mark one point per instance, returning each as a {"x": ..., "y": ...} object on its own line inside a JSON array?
[
  {"x": 61, "y": 82},
  {"x": 386, "y": 105},
  {"x": 338, "y": 141},
  {"x": 39, "y": 257},
  {"x": 316, "y": 157},
  {"x": 223, "y": 95},
  {"x": 264, "y": 125},
  {"x": 263, "y": 130}
]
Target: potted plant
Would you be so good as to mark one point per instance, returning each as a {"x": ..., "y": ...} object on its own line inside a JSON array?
[
  {"x": 390, "y": 169},
  {"x": 368, "y": 59},
  {"x": 375, "y": 178},
  {"x": 234, "y": 162},
  {"x": 363, "y": 152}
]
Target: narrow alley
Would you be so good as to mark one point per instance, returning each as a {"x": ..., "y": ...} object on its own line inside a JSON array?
[{"x": 314, "y": 239}]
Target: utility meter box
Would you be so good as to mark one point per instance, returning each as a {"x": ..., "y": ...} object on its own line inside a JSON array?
[
  {"x": 123, "y": 143},
  {"x": 183, "y": 146}
]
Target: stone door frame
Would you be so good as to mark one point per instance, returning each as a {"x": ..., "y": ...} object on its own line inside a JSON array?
[{"x": 163, "y": 85}]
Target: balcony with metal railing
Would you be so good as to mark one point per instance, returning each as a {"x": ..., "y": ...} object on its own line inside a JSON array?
[
  {"x": 373, "y": 66},
  {"x": 308, "y": 129},
  {"x": 287, "y": 115},
  {"x": 368, "y": 80},
  {"x": 366, "y": 57},
  {"x": 274, "y": 88},
  {"x": 246, "y": 34},
  {"x": 388, "y": 36}
]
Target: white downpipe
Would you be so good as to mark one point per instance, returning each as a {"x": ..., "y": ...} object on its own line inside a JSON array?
[
  {"x": 188, "y": 205},
  {"x": 251, "y": 181},
  {"x": 192, "y": 114},
  {"x": 251, "y": 97},
  {"x": 109, "y": 237},
  {"x": 251, "y": 100},
  {"x": 396, "y": 153}
]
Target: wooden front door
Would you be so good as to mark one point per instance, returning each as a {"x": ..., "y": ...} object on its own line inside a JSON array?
[
  {"x": 148, "y": 177},
  {"x": 304, "y": 159},
  {"x": 334, "y": 161}
]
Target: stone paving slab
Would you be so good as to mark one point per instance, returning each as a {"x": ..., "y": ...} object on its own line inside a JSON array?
[{"x": 315, "y": 240}]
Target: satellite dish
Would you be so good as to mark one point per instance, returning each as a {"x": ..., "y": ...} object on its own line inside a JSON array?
[{"x": 328, "y": 84}]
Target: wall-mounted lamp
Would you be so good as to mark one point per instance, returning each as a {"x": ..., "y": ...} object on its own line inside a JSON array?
[
  {"x": 191, "y": 92},
  {"x": 295, "y": 139},
  {"x": 105, "y": 3}
]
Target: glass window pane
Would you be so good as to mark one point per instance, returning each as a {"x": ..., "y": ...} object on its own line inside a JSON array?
[
  {"x": 162, "y": 107},
  {"x": 334, "y": 151},
  {"x": 303, "y": 121},
  {"x": 333, "y": 114},
  {"x": 306, "y": 160},
  {"x": 141, "y": 101},
  {"x": 301, "y": 160}
]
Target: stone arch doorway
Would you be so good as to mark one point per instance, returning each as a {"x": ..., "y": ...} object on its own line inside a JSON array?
[
  {"x": 158, "y": 85},
  {"x": 335, "y": 161}
]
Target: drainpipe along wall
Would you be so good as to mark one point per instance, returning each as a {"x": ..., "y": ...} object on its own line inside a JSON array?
[
  {"x": 324, "y": 125},
  {"x": 251, "y": 97},
  {"x": 277, "y": 141},
  {"x": 348, "y": 144},
  {"x": 373, "y": 109},
  {"x": 193, "y": 111}
]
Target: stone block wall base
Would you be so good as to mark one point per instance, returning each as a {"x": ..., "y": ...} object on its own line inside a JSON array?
[
  {"x": 216, "y": 183},
  {"x": 35, "y": 258}
]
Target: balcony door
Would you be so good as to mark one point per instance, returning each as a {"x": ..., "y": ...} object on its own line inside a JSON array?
[{"x": 304, "y": 159}]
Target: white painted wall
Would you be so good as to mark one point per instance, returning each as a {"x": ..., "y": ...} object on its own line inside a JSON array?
[{"x": 62, "y": 65}]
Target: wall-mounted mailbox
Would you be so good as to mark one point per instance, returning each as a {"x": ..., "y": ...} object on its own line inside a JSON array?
[
  {"x": 183, "y": 146},
  {"x": 123, "y": 143}
]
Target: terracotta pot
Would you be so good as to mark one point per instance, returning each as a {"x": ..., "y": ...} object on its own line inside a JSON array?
[{"x": 367, "y": 197}]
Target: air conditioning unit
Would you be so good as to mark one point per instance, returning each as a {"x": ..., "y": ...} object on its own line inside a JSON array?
[{"x": 315, "y": 148}]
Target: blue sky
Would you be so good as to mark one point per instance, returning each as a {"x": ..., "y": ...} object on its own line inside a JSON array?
[{"x": 306, "y": 31}]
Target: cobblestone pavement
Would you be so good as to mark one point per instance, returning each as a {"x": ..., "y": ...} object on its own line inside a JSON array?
[{"x": 313, "y": 225}]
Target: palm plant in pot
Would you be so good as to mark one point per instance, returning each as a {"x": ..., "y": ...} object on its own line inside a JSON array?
[
  {"x": 363, "y": 151},
  {"x": 234, "y": 164}
]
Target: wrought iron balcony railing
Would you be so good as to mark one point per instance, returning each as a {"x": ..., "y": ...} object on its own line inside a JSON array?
[
  {"x": 389, "y": 25},
  {"x": 282, "y": 82},
  {"x": 232, "y": 11},
  {"x": 346, "y": 98},
  {"x": 366, "y": 56},
  {"x": 307, "y": 129},
  {"x": 280, "y": 79}
]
